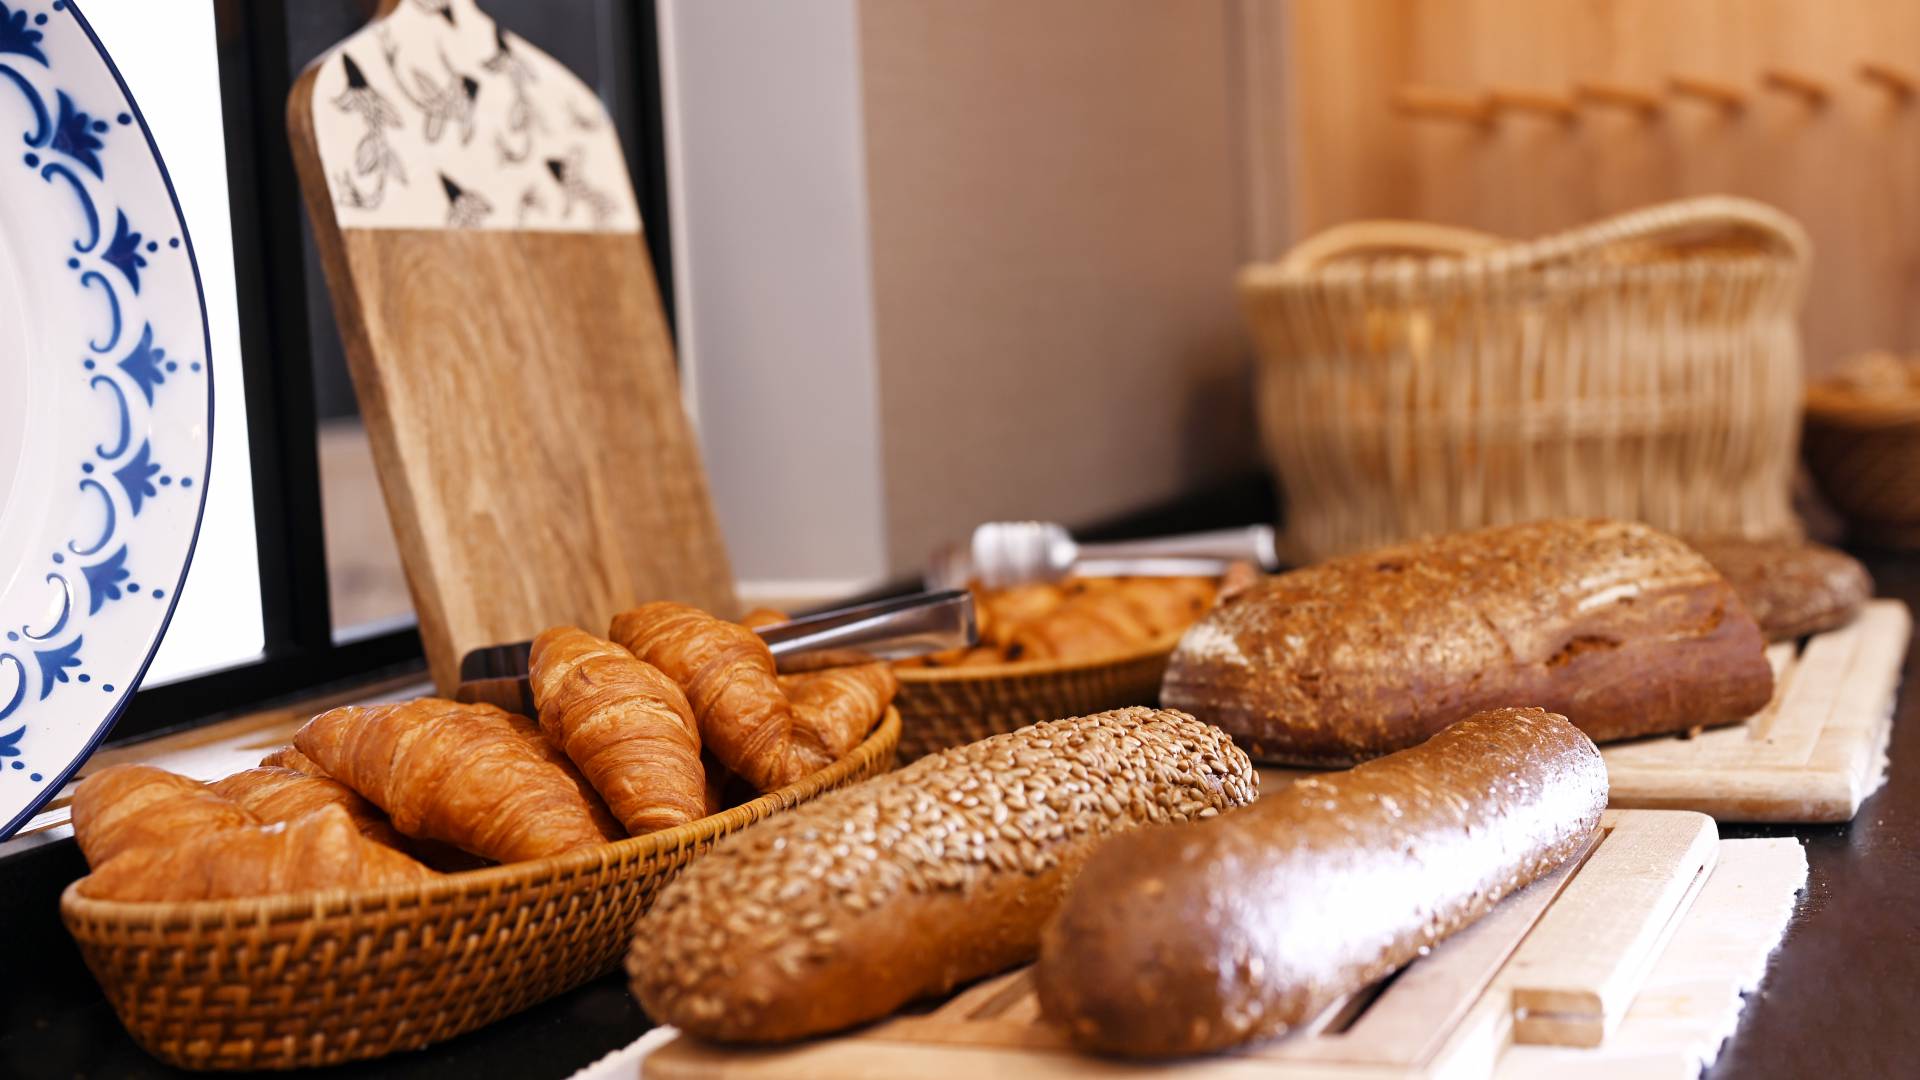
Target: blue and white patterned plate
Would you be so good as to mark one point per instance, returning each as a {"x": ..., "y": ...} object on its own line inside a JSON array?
[{"x": 106, "y": 398}]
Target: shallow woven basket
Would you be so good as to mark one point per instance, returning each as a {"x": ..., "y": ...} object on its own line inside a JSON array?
[
  {"x": 322, "y": 978},
  {"x": 1865, "y": 458},
  {"x": 1417, "y": 379},
  {"x": 945, "y": 707}
]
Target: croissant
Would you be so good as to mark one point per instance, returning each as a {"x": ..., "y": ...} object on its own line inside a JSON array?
[
  {"x": 1166, "y": 605},
  {"x": 1090, "y": 623},
  {"x": 273, "y": 793},
  {"x": 321, "y": 850},
  {"x": 999, "y": 613},
  {"x": 627, "y": 726},
  {"x": 465, "y": 774},
  {"x": 528, "y": 731},
  {"x": 125, "y": 807},
  {"x": 729, "y": 679},
  {"x": 761, "y": 618},
  {"x": 840, "y": 705},
  {"x": 289, "y": 758}
]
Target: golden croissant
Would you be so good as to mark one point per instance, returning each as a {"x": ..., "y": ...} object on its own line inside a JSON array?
[
  {"x": 273, "y": 793},
  {"x": 321, "y": 850},
  {"x": 465, "y": 774},
  {"x": 624, "y": 723},
  {"x": 728, "y": 676},
  {"x": 840, "y": 705},
  {"x": 125, "y": 807},
  {"x": 289, "y": 758}
]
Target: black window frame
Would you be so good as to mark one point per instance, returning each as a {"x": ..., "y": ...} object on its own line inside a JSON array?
[{"x": 302, "y": 654}]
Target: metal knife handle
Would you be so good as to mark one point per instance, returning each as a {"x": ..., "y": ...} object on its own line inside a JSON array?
[
  {"x": 887, "y": 630},
  {"x": 1252, "y": 543}
]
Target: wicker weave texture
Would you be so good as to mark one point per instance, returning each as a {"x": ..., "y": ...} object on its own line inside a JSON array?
[
  {"x": 323, "y": 978},
  {"x": 1647, "y": 367},
  {"x": 1866, "y": 462},
  {"x": 946, "y": 707}
]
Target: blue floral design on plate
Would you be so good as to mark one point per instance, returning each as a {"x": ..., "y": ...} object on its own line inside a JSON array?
[{"x": 122, "y": 444}]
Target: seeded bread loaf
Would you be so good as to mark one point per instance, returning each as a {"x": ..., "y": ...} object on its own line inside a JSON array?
[
  {"x": 1198, "y": 938},
  {"x": 1792, "y": 587},
  {"x": 844, "y": 909},
  {"x": 1624, "y": 630}
]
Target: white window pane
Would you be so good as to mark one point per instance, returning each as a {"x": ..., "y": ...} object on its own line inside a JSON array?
[{"x": 166, "y": 53}]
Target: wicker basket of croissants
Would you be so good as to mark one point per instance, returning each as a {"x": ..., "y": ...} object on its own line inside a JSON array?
[
  {"x": 337, "y": 903},
  {"x": 1070, "y": 648}
]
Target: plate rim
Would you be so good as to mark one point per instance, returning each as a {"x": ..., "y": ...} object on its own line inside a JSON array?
[{"x": 112, "y": 715}]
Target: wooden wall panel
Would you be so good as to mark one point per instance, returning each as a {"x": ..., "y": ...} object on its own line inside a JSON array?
[{"x": 1849, "y": 171}]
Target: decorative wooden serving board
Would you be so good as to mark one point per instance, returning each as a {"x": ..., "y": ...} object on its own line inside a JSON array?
[
  {"x": 482, "y": 242},
  {"x": 1558, "y": 963},
  {"x": 1813, "y": 755}
]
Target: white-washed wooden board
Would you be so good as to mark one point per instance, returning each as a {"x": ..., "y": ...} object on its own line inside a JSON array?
[
  {"x": 1448, "y": 1014},
  {"x": 1813, "y": 755}
]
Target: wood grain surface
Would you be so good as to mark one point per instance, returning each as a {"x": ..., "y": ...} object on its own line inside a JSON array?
[{"x": 520, "y": 395}]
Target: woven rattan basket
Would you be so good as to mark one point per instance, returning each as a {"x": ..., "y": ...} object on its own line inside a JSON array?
[
  {"x": 328, "y": 977},
  {"x": 1418, "y": 379},
  {"x": 944, "y": 707},
  {"x": 1864, "y": 455}
]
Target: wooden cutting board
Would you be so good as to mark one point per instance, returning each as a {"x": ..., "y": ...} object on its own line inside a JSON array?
[
  {"x": 1813, "y": 754},
  {"x": 1558, "y": 963},
  {"x": 482, "y": 243}
]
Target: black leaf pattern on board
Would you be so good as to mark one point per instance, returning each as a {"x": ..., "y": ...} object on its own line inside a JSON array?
[
  {"x": 568, "y": 173},
  {"x": 442, "y": 104},
  {"x": 465, "y": 209},
  {"x": 374, "y": 160}
]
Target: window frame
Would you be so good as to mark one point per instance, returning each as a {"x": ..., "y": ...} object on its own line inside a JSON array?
[{"x": 301, "y": 652}]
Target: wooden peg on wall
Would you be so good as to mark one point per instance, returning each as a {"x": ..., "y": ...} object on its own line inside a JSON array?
[
  {"x": 1435, "y": 103},
  {"x": 1538, "y": 102},
  {"x": 1612, "y": 95},
  {"x": 1901, "y": 84},
  {"x": 1723, "y": 95},
  {"x": 1814, "y": 92}
]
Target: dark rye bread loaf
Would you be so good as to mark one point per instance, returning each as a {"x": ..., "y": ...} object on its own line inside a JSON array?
[
  {"x": 1792, "y": 587},
  {"x": 1623, "y": 629},
  {"x": 844, "y": 909},
  {"x": 1201, "y": 937}
]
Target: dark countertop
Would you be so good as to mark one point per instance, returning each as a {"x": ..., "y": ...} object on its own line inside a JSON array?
[{"x": 1836, "y": 1001}]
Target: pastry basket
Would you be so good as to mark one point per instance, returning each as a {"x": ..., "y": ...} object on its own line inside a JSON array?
[
  {"x": 1417, "y": 379},
  {"x": 952, "y": 706},
  {"x": 328, "y": 977},
  {"x": 1864, "y": 454}
]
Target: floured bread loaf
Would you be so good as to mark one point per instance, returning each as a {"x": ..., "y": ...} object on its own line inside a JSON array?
[{"x": 1624, "y": 630}]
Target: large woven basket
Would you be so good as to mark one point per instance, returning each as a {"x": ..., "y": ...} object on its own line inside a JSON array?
[
  {"x": 322, "y": 978},
  {"x": 945, "y": 707},
  {"x": 1417, "y": 379}
]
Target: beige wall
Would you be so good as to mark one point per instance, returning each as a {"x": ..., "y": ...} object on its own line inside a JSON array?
[
  {"x": 1056, "y": 210},
  {"x": 1849, "y": 171}
]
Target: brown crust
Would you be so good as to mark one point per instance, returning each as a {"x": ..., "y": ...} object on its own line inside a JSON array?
[
  {"x": 1623, "y": 629},
  {"x": 1193, "y": 939},
  {"x": 844, "y": 909},
  {"x": 1792, "y": 587}
]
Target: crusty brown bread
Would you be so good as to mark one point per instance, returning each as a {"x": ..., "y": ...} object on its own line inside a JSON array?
[
  {"x": 1192, "y": 939},
  {"x": 847, "y": 907},
  {"x": 627, "y": 726},
  {"x": 124, "y": 807},
  {"x": 272, "y": 793},
  {"x": 1792, "y": 587},
  {"x": 1623, "y": 629},
  {"x": 320, "y": 850},
  {"x": 471, "y": 775}
]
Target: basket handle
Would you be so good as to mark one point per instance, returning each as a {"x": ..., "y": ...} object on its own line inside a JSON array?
[
  {"x": 1707, "y": 216},
  {"x": 1377, "y": 237}
]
